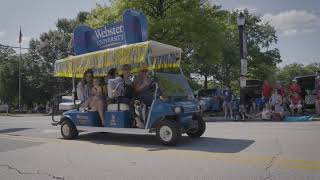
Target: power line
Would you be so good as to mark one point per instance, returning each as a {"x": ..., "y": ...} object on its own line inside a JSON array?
[{"x": 14, "y": 47}]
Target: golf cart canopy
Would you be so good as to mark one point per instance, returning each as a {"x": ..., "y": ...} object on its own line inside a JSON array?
[{"x": 150, "y": 54}]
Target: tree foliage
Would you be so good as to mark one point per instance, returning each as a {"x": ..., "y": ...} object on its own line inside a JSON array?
[
  {"x": 288, "y": 72},
  {"x": 207, "y": 34}
]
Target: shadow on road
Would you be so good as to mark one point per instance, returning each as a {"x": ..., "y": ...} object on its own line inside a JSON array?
[
  {"x": 11, "y": 130},
  {"x": 206, "y": 144}
]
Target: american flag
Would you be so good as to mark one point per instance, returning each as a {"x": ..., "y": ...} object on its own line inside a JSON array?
[{"x": 20, "y": 36}]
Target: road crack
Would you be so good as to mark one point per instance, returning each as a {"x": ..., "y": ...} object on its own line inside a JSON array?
[
  {"x": 32, "y": 173},
  {"x": 273, "y": 159}
]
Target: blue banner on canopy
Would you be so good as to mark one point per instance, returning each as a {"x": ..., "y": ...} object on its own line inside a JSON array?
[{"x": 132, "y": 29}]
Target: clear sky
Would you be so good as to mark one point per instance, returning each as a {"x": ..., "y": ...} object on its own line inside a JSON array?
[{"x": 297, "y": 21}]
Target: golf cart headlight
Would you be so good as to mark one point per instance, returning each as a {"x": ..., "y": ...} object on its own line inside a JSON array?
[{"x": 177, "y": 110}]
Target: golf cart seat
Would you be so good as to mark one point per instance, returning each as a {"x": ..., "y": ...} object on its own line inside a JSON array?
[
  {"x": 68, "y": 104},
  {"x": 118, "y": 107}
]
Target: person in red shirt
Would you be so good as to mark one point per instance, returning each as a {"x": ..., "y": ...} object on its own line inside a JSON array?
[
  {"x": 317, "y": 102},
  {"x": 266, "y": 90},
  {"x": 295, "y": 103},
  {"x": 295, "y": 87}
]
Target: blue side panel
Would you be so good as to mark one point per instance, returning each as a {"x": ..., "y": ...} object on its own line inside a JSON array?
[
  {"x": 83, "y": 118},
  {"x": 118, "y": 119},
  {"x": 135, "y": 26},
  {"x": 160, "y": 109}
]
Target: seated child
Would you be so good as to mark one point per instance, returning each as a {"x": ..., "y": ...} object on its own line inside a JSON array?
[
  {"x": 266, "y": 112},
  {"x": 295, "y": 103},
  {"x": 278, "y": 113}
]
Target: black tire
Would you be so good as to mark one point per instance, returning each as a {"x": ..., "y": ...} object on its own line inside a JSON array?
[
  {"x": 171, "y": 127},
  {"x": 199, "y": 129},
  {"x": 72, "y": 133}
]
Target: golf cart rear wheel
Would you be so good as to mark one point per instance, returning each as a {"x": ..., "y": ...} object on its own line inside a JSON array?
[
  {"x": 168, "y": 132},
  {"x": 199, "y": 129},
  {"x": 68, "y": 130}
]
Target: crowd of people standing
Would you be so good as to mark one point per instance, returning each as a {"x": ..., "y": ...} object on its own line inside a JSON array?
[{"x": 276, "y": 100}]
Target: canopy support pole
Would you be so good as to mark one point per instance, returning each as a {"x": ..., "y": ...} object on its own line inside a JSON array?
[{"x": 73, "y": 87}]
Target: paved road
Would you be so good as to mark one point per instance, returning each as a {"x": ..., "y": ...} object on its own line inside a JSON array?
[{"x": 31, "y": 149}]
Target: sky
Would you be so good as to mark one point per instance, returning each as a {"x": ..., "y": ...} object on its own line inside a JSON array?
[{"x": 297, "y": 21}]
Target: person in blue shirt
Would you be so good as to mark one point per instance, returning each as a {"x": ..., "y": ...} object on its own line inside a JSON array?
[{"x": 227, "y": 102}]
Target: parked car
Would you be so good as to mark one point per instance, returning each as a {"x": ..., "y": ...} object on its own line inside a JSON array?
[{"x": 211, "y": 99}]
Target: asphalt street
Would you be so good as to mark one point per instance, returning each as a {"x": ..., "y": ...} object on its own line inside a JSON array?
[{"x": 30, "y": 148}]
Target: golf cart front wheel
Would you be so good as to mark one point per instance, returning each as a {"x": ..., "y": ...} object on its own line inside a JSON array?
[
  {"x": 168, "y": 132},
  {"x": 198, "y": 129},
  {"x": 68, "y": 130}
]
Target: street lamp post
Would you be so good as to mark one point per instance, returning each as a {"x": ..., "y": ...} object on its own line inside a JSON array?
[{"x": 243, "y": 66}]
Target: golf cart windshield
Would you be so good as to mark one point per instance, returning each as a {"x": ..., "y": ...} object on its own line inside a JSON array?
[{"x": 173, "y": 85}]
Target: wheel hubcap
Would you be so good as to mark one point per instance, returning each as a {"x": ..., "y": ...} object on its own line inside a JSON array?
[
  {"x": 65, "y": 130},
  {"x": 165, "y": 133}
]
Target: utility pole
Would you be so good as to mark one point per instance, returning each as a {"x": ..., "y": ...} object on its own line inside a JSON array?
[
  {"x": 243, "y": 66},
  {"x": 20, "y": 41}
]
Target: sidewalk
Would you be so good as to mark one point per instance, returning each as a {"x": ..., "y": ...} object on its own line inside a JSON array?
[
  {"x": 222, "y": 119},
  {"x": 217, "y": 119}
]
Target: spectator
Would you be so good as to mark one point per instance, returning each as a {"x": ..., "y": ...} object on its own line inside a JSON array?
[
  {"x": 266, "y": 91},
  {"x": 317, "y": 82},
  {"x": 317, "y": 102},
  {"x": 266, "y": 112},
  {"x": 48, "y": 108},
  {"x": 295, "y": 103},
  {"x": 227, "y": 102},
  {"x": 275, "y": 99},
  {"x": 295, "y": 87}
]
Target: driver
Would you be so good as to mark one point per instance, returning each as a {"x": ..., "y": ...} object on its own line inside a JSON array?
[{"x": 142, "y": 87}]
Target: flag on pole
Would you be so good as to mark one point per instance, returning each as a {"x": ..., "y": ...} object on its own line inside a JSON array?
[{"x": 20, "y": 36}]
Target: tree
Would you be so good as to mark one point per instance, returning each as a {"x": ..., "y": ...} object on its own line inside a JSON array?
[
  {"x": 9, "y": 77},
  {"x": 40, "y": 59},
  {"x": 288, "y": 72},
  {"x": 192, "y": 25},
  {"x": 262, "y": 60}
]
